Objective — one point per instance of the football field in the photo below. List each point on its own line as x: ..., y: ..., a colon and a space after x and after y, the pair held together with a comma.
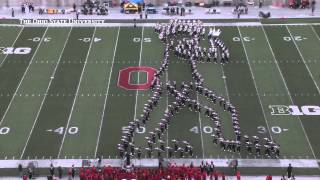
x: 64, y: 90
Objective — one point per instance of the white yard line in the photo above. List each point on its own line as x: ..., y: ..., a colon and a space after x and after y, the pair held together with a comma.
x: 44, y: 97
x: 285, y: 84
x: 225, y: 83
x: 314, y: 31
x: 106, y: 98
x: 200, y: 124
x: 304, y: 62
x: 137, y: 92
x: 75, y: 98
x: 14, y: 42
x: 254, y: 82
x: 167, y: 103
x: 25, y: 72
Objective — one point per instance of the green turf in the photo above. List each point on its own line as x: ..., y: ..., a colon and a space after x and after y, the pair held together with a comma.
x: 264, y: 70
x: 297, y: 78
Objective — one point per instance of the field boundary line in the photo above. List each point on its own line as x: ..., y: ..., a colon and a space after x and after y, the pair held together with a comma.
x: 77, y: 91
x: 44, y: 97
x: 24, y: 74
x: 137, y: 92
x: 314, y: 31
x: 106, y: 98
x: 304, y: 61
x: 200, y: 127
x: 151, y: 24
x: 255, y: 84
x: 14, y: 42
x: 12, y: 25
x: 290, y: 96
x: 78, y: 163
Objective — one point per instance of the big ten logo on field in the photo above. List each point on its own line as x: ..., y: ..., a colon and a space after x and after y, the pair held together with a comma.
x: 309, y: 110
x: 124, y: 79
x: 13, y: 50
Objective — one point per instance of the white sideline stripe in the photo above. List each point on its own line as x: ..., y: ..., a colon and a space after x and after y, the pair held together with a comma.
x: 24, y: 74
x: 106, y: 98
x: 262, y: 163
x: 255, y: 84
x: 40, y: 108
x: 285, y: 84
x: 14, y: 42
x: 153, y: 24
x: 77, y: 91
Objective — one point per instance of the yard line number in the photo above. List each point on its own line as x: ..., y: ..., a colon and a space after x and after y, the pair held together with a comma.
x: 245, y: 38
x: 296, y: 38
x: 37, y: 39
x: 205, y: 129
x: 71, y: 130
x: 137, y: 39
x: 141, y: 130
x: 274, y: 129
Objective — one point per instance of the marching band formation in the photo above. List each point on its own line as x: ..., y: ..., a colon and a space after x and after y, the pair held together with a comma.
x: 182, y: 38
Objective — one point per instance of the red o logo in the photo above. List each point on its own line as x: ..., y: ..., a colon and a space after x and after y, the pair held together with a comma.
x: 124, y: 77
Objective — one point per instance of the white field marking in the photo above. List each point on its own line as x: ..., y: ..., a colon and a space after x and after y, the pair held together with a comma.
x: 25, y: 72
x: 45, y: 95
x: 11, y: 25
x: 106, y: 97
x: 137, y: 92
x: 314, y: 31
x: 246, y: 24
x: 266, y: 163
x: 254, y: 82
x: 200, y: 124
x: 285, y: 84
x: 14, y: 42
x: 75, y: 98
x: 304, y: 61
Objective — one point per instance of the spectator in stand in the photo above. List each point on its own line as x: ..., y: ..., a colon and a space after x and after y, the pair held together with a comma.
x: 51, y: 170
x: 74, y: 6
x: 60, y: 172
x: 269, y: 177
x: 223, y: 176
x: 30, y: 173
x: 23, y: 8
x: 20, y: 170
x: 289, y: 171
x: 25, y: 177
x: 12, y: 12
x: 313, y: 6
x: 260, y: 3
x: 238, y: 175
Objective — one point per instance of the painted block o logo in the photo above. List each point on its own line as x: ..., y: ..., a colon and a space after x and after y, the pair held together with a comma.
x: 125, y: 74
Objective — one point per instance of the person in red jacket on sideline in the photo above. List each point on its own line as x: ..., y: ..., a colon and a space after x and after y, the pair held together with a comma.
x: 238, y: 175
x: 269, y: 177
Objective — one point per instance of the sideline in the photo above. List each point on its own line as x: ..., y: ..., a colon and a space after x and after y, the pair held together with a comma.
x: 268, y: 163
